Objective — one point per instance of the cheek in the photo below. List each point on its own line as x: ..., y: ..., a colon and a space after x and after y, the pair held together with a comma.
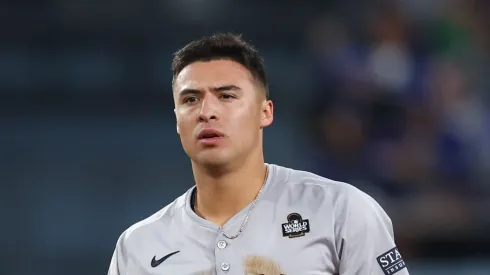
x: 245, y: 129
x: 186, y: 127
x: 246, y: 117
x: 243, y: 123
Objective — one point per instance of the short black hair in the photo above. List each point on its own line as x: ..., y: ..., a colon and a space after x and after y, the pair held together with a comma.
x: 222, y: 46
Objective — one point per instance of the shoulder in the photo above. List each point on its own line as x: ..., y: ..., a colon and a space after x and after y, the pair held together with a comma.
x: 157, y: 220
x: 299, y: 179
x: 339, y: 196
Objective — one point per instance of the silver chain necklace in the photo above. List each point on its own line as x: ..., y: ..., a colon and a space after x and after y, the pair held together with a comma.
x: 245, y: 221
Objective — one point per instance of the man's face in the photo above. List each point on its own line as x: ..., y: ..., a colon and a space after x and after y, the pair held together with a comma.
x: 220, y: 111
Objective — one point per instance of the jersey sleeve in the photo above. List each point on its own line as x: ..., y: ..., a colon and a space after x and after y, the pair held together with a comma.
x: 365, y: 238
x: 117, y: 265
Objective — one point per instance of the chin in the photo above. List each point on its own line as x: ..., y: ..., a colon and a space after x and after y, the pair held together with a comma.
x: 212, y: 158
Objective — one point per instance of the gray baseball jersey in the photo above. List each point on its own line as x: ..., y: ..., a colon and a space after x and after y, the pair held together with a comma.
x: 302, y: 224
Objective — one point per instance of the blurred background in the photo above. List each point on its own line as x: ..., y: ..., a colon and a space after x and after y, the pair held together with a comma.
x: 391, y: 96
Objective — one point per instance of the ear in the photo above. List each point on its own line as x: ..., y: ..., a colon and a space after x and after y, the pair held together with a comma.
x: 267, y: 113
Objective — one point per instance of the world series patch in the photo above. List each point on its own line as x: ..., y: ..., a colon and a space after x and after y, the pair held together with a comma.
x: 391, y: 262
x: 296, y: 226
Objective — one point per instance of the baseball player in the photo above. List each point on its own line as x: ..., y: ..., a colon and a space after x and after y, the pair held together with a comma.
x: 245, y: 216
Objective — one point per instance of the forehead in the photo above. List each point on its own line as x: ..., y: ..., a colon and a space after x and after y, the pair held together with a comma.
x: 215, y: 73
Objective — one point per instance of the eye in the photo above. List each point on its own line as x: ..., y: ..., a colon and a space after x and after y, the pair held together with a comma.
x: 190, y: 99
x: 227, y: 96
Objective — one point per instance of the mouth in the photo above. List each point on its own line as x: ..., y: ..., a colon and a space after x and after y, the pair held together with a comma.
x: 210, y: 135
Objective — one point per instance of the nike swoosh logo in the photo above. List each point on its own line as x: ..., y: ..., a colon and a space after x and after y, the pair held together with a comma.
x: 155, y: 262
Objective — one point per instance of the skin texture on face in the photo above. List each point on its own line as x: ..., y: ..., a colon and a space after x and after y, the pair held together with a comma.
x: 223, y: 96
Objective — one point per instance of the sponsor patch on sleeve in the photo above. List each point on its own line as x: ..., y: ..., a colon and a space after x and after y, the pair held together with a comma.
x: 391, y: 262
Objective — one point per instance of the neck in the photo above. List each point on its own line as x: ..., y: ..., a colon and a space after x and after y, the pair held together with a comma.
x: 221, y: 195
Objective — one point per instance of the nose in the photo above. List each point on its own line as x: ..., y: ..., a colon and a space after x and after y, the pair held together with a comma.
x: 208, y: 110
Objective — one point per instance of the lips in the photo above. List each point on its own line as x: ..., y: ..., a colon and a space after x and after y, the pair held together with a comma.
x: 209, y: 134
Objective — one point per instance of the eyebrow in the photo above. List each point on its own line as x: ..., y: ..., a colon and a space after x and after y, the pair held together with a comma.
x: 227, y: 88
x: 185, y: 92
